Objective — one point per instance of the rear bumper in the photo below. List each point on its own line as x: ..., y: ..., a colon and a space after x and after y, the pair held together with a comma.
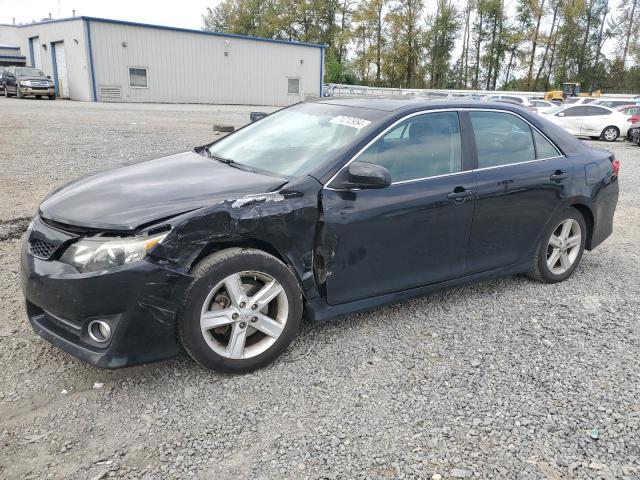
x: 139, y: 301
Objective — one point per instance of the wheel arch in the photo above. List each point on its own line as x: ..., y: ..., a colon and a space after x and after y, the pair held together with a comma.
x: 257, y: 244
x: 589, y: 219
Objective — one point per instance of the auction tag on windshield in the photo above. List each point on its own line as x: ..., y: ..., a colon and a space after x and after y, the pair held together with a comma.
x: 350, y: 121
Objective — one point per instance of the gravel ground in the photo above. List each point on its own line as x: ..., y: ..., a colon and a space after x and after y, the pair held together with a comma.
x: 502, y: 379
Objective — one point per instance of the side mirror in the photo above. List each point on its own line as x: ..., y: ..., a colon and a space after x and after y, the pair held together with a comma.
x: 368, y: 175
x: 49, y: 77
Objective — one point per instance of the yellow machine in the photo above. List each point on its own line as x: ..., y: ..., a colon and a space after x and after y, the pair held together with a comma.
x: 553, y: 95
x: 569, y: 89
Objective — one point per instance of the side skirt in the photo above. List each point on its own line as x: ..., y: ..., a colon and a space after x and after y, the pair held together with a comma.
x: 318, y: 309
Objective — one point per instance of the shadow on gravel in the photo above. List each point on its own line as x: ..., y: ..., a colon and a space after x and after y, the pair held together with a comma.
x: 14, y: 228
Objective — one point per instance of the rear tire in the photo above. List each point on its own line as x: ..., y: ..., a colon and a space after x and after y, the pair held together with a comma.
x: 218, y: 324
x: 52, y: 97
x: 610, y: 134
x: 560, y: 248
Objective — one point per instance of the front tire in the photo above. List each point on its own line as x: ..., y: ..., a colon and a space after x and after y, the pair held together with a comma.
x: 6, y: 92
x: 560, y: 249
x: 242, y: 310
x: 610, y: 134
x: 19, y: 93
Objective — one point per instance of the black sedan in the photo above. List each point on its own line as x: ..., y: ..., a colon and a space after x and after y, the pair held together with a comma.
x: 322, y: 209
x: 633, y: 135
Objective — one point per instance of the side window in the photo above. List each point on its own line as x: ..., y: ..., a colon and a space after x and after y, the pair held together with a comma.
x: 544, y: 149
x: 419, y: 147
x: 594, y: 110
x: 501, y: 139
x: 579, y: 111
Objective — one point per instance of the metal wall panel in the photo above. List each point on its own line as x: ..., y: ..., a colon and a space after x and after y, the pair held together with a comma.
x: 185, y: 67
x: 72, y: 33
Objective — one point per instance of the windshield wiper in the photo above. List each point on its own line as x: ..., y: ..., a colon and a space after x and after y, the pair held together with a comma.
x: 229, y: 161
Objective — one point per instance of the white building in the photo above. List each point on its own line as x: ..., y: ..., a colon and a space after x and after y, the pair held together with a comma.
x: 95, y: 59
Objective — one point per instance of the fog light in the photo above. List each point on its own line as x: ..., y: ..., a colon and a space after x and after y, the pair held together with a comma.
x: 99, y: 331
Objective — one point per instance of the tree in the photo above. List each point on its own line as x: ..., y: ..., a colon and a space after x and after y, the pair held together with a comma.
x: 442, y: 31
x: 405, y: 45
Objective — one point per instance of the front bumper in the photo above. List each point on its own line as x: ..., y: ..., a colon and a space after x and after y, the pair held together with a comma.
x: 37, y: 91
x: 139, y: 301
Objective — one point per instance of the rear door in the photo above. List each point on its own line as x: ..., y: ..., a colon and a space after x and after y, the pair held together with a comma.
x: 595, y: 119
x: 411, y: 233
x: 521, y: 179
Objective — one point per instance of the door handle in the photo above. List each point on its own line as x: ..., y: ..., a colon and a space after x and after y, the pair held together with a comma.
x: 459, y: 194
x: 559, y: 175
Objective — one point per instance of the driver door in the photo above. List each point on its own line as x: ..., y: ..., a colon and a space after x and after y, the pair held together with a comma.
x: 415, y: 231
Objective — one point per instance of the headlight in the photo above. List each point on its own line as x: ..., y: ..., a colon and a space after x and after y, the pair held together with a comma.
x: 100, y: 253
x: 25, y: 83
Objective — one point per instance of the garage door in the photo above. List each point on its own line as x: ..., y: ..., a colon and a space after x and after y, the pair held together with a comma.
x: 60, y: 66
x: 36, y: 50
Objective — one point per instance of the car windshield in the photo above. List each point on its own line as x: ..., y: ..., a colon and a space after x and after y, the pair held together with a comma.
x: 571, y: 100
x: 554, y: 110
x: 296, y: 140
x: 29, y: 72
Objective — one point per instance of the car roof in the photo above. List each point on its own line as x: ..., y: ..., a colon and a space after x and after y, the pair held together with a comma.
x: 411, y: 103
x: 399, y: 106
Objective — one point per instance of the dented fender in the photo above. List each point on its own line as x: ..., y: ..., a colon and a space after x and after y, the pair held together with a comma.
x: 283, y: 221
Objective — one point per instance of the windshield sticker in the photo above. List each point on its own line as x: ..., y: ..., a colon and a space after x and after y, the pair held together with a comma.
x: 350, y: 121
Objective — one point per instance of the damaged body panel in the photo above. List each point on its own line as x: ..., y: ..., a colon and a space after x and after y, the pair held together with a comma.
x: 342, y: 205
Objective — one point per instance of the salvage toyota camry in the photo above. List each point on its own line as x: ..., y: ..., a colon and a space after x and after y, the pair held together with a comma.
x: 321, y: 209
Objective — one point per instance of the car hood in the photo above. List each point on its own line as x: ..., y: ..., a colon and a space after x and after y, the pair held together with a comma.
x: 135, y: 195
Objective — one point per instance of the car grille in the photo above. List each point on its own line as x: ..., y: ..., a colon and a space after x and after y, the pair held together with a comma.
x: 41, y: 249
x: 39, y: 83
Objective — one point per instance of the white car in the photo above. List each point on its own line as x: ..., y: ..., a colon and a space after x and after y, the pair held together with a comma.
x: 524, y: 101
x: 590, y: 121
x: 614, y: 102
x: 578, y: 100
x: 542, y: 105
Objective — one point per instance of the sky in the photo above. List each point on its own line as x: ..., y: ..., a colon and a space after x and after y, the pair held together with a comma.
x: 185, y: 13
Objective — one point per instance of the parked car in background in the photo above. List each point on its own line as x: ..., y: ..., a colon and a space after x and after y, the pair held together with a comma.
x: 614, y: 103
x: 634, y: 133
x: 519, y: 99
x: 27, y: 81
x: 326, y: 207
x: 543, y: 105
x: 590, y: 121
x: 578, y: 100
x: 2, y: 70
x: 633, y: 111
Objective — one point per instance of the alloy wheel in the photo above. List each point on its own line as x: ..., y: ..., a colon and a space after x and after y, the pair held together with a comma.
x: 564, y: 246
x: 610, y: 134
x: 244, y: 315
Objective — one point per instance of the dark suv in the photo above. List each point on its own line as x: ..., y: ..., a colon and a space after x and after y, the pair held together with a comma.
x: 24, y: 81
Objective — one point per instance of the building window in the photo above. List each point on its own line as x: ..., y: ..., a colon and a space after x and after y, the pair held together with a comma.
x: 293, y: 86
x: 138, y: 77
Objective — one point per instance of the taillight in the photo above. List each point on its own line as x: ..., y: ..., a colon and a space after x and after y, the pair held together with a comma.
x: 616, y: 165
